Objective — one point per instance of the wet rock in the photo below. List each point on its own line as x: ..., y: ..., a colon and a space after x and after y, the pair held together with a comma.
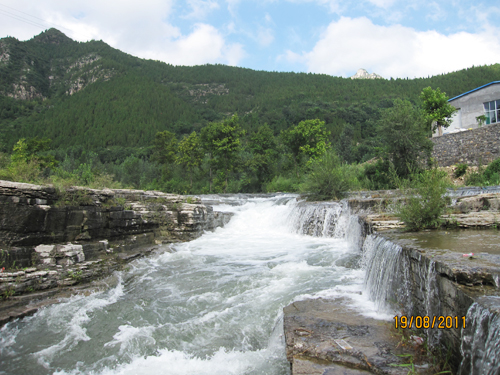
x: 329, y: 337
x: 482, y: 219
x: 480, y: 202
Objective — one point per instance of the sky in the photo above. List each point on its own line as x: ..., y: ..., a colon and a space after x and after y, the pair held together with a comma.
x: 393, y: 38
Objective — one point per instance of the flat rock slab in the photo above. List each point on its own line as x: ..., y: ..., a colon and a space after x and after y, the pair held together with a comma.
x: 329, y: 337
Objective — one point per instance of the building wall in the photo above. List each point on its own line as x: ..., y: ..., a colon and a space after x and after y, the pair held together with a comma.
x: 481, y: 145
x: 471, y: 105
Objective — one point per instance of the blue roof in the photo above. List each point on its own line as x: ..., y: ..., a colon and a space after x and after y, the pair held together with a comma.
x: 476, y: 89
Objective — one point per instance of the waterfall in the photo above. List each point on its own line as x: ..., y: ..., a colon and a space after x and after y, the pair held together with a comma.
x: 327, y: 219
x: 386, y: 278
x: 480, y: 347
x: 209, y: 306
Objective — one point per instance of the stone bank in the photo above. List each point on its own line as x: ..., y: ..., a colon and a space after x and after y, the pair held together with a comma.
x: 52, y: 239
x: 415, y: 274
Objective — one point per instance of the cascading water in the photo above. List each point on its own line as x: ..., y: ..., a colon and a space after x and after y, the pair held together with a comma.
x: 413, y: 290
x: 386, y: 278
x: 480, y: 347
x: 209, y: 306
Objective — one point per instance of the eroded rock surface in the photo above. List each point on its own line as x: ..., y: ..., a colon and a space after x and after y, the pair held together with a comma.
x: 50, y: 238
x: 329, y: 337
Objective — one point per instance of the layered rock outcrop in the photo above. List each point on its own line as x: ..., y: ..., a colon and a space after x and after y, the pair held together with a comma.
x: 51, y: 238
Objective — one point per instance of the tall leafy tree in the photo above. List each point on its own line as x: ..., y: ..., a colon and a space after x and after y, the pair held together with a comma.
x: 222, y: 140
x: 26, y: 150
x: 264, y: 154
x: 307, y: 140
x: 165, y: 149
x: 190, y: 154
x: 438, y: 111
x: 403, y: 129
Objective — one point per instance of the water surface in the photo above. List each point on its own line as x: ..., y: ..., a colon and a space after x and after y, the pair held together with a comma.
x: 209, y: 306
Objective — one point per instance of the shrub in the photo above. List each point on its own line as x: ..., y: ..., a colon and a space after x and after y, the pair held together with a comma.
x: 22, y: 171
x: 380, y: 175
x: 460, y: 170
x: 424, y: 202
x: 492, y: 171
x: 485, y: 176
x: 281, y: 184
x: 329, y: 178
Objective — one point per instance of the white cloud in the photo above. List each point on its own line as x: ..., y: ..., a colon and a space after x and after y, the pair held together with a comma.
x: 382, y: 3
x: 436, y: 13
x: 396, y: 51
x: 200, y: 8
x: 265, y: 36
x: 204, y: 45
x: 140, y: 28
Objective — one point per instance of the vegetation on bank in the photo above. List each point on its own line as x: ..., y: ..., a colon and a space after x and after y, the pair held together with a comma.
x: 102, y: 118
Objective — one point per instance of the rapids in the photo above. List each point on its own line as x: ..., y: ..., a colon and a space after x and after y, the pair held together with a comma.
x: 209, y: 306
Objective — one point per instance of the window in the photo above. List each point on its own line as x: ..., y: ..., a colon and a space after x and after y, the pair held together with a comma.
x: 492, y: 111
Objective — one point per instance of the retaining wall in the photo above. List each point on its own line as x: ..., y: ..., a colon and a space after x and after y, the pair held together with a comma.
x: 472, y: 147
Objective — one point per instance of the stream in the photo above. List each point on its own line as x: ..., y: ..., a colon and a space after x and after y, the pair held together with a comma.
x: 209, y: 306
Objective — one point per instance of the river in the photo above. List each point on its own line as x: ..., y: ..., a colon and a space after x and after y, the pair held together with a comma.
x: 209, y: 306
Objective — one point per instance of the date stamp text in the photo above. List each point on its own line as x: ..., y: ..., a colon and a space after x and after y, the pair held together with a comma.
x: 418, y: 322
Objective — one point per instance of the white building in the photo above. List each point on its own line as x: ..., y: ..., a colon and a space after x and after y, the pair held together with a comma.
x: 482, y: 101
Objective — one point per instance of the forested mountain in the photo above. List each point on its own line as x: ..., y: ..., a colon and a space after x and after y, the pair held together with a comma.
x: 96, y: 96
x: 89, y: 96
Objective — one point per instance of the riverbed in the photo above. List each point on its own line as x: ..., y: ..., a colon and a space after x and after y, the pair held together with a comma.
x: 209, y: 306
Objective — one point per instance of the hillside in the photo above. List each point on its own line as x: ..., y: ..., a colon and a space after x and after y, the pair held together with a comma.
x: 101, y: 110
x: 92, y: 95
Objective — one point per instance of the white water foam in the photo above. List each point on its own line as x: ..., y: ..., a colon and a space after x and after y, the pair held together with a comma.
x: 213, y: 306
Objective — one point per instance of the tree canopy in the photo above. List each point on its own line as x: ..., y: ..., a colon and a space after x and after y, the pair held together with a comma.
x: 438, y: 111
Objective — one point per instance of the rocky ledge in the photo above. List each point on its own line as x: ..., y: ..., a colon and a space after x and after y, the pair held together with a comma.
x: 475, y: 211
x: 56, y: 239
x: 453, y: 274
x: 328, y: 337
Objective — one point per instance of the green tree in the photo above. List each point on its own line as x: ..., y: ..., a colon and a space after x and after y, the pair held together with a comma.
x: 329, y: 178
x: 222, y: 142
x: 424, y: 201
x: 402, y: 128
x: 190, y: 154
x: 307, y: 140
x: 33, y: 149
x: 164, y: 148
x: 263, y: 147
x: 438, y: 111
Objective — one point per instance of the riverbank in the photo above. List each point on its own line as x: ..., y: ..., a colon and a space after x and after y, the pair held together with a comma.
x: 415, y: 275
x: 424, y: 282
x: 53, y: 240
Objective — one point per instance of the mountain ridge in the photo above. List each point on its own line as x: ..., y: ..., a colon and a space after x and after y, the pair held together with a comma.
x: 88, y: 93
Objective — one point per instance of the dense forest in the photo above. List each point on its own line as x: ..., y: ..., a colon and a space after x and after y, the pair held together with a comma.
x: 86, y: 112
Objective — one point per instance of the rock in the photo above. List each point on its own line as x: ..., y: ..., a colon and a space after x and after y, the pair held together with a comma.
x: 89, y: 216
x: 480, y: 202
x: 472, y: 219
x: 328, y: 337
x: 363, y: 74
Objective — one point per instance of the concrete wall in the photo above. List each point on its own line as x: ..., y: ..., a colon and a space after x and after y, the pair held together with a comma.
x: 469, y: 147
x: 471, y: 105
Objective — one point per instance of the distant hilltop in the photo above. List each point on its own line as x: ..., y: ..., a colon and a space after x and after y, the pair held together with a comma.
x: 363, y: 74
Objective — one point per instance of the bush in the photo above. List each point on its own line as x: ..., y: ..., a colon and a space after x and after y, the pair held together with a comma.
x: 424, y: 202
x: 329, y: 178
x: 281, y: 184
x: 380, y: 175
x: 485, y: 176
x: 460, y: 170
x: 492, y: 171
x: 22, y: 171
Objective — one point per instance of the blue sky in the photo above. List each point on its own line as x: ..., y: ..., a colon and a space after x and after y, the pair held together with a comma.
x: 393, y: 38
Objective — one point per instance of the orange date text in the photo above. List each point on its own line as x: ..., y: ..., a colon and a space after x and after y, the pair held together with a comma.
x: 418, y: 322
